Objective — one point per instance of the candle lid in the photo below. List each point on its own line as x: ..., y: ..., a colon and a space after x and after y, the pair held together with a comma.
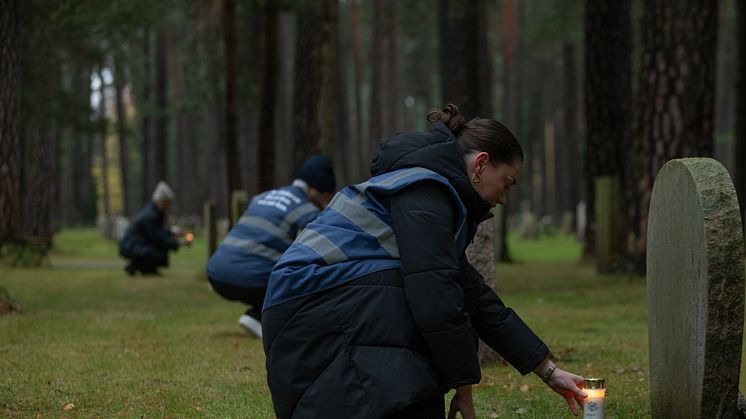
x: 594, y: 383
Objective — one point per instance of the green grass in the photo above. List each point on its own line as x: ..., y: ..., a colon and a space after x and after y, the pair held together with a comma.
x: 168, y: 347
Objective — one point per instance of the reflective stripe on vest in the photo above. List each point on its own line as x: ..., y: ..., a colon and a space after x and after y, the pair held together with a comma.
x: 352, y: 237
x: 270, y: 224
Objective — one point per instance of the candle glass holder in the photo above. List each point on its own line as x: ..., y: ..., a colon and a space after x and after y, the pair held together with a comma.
x: 594, y: 405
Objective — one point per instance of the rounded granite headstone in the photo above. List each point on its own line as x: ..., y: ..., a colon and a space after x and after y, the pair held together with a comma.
x: 695, y: 291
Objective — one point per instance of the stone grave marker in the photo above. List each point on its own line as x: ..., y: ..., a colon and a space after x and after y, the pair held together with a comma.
x: 210, y: 228
x: 607, y: 223
x: 695, y: 283
x: 239, y: 202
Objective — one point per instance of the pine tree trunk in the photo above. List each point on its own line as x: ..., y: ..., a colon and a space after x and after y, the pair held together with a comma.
x: 104, y: 131
x: 608, y: 99
x: 359, y: 150
x: 342, y: 148
x: 675, y: 102
x: 267, y: 112
x: 459, y: 60
x: 146, y: 138
x: 122, y: 131
x: 41, y: 182
x: 311, y: 39
x: 230, y: 39
x: 10, y: 146
x: 160, y: 155
x: 739, y: 175
x: 510, y: 37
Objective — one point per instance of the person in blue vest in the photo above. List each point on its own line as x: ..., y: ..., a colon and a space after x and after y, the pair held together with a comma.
x: 374, y: 310
x: 239, y: 269
x: 148, y: 240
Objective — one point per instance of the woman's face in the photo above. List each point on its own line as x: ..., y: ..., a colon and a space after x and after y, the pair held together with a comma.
x: 492, y: 182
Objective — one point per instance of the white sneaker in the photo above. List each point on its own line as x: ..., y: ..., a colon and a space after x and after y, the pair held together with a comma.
x: 251, y: 324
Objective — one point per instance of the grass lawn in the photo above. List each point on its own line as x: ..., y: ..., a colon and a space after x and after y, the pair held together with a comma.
x: 166, y: 346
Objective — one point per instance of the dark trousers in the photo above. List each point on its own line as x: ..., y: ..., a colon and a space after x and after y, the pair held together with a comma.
x: 427, y: 409
x: 147, y: 265
x: 252, y: 296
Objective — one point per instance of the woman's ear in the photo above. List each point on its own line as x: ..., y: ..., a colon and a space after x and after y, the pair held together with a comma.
x: 481, y: 159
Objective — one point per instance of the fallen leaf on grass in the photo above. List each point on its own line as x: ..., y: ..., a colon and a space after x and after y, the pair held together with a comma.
x: 68, y: 407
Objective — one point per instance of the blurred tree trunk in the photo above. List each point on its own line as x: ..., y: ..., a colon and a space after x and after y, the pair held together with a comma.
x: 122, y: 135
x: 284, y: 118
x: 459, y: 60
x: 568, y: 148
x: 267, y: 111
x: 103, y: 132
x: 344, y: 138
x: 608, y: 98
x: 312, y: 36
x: 381, y: 120
x: 185, y: 168
x: 358, y: 150
x: 675, y: 101
x: 41, y: 182
x: 331, y: 101
x: 10, y: 145
x: 146, y: 138
x: 739, y: 175
x: 160, y: 155
x: 510, y: 35
x: 230, y: 40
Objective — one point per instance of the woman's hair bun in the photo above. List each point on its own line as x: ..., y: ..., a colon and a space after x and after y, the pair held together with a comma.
x: 450, y: 116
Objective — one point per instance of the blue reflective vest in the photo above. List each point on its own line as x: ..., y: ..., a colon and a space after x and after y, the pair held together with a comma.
x: 253, y: 246
x: 351, y: 238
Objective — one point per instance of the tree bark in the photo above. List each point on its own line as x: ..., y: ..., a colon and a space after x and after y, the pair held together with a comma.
x: 267, y: 111
x: 10, y: 146
x: 739, y: 175
x: 230, y: 40
x: 675, y: 102
x: 358, y: 149
x: 146, y: 137
x: 608, y: 99
x: 104, y: 130
x: 459, y: 60
x: 510, y: 37
x: 311, y: 39
x: 160, y: 155
x: 122, y: 136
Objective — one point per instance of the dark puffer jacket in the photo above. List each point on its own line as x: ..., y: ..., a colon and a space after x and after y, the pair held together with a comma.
x: 375, y: 345
x: 148, y: 238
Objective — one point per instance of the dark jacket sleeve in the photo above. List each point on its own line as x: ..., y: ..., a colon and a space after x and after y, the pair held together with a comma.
x: 157, y: 234
x: 424, y: 226
x: 499, y: 326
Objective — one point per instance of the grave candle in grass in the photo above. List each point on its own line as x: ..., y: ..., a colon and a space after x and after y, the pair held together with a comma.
x: 593, y: 405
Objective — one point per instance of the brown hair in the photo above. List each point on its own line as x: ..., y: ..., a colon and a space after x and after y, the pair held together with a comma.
x: 479, y: 134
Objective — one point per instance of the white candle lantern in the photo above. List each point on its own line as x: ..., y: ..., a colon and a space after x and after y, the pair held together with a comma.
x: 593, y: 405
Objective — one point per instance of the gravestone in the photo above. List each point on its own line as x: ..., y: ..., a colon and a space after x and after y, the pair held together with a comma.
x: 607, y: 222
x: 695, y: 291
x: 239, y: 202
x: 210, y: 228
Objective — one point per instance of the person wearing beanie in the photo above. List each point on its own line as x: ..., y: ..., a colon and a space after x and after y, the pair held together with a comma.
x: 147, y: 240
x: 239, y: 269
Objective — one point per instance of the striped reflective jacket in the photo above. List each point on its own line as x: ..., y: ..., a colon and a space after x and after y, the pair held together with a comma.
x: 267, y: 228
x: 351, y: 238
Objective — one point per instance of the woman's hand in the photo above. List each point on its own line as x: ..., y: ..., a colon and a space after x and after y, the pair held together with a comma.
x: 566, y: 384
x: 462, y: 402
x: 569, y: 386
